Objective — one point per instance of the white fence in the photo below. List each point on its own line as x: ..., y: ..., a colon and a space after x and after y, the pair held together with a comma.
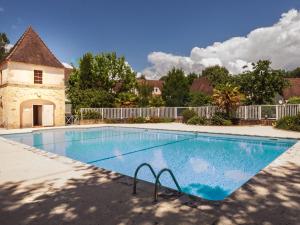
x: 251, y: 112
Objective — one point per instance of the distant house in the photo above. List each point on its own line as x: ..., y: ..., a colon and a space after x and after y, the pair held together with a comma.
x: 32, y: 87
x: 202, y: 84
x: 157, y: 85
x: 293, y: 90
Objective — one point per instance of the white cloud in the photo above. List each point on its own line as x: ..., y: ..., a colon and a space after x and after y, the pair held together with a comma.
x: 279, y: 43
x: 8, y: 47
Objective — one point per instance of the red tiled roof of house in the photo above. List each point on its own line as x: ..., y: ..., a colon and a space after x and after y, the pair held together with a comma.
x: 152, y: 83
x: 31, y: 49
x: 203, y: 85
x: 293, y: 90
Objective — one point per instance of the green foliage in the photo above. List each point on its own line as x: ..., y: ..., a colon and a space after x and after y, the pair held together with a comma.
x: 191, y: 77
x: 220, y: 119
x: 262, y: 84
x: 294, y: 100
x: 289, y: 123
x: 140, y: 120
x: 217, y: 75
x: 156, y: 101
x: 126, y: 99
x: 176, y: 88
x: 101, y: 81
x: 227, y: 97
x: 145, y: 93
x: 89, y: 115
x: 3, y: 42
x: 199, y: 99
x: 196, y: 120
x: 294, y: 73
x: 188, y: 114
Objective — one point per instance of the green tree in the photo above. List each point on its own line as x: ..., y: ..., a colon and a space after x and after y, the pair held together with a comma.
x: 293, y: 73
x: 191, y: 77
x: 227, y: 97
x: 101, y: 81
x: 199, y: 99
x: 126, y: 99
x: 176, y: 88
x: 217, y: 75
x: 3, y: 42
x: 144, y: 94
x: 262, y: 84
x: 156, y: 101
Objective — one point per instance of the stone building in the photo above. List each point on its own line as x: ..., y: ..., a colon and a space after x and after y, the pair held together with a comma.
x: 32, y: 88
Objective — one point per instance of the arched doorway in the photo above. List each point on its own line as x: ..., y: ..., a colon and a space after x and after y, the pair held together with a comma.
x: 37, y: 112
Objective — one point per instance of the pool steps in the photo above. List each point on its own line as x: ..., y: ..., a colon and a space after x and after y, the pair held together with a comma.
x: 157, y: 182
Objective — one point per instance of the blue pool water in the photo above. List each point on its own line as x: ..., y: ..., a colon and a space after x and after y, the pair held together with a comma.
x: 210, y: 166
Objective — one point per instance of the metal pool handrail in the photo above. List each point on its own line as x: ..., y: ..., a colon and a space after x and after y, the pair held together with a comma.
x: 157, y: 182
x: 136, y: 173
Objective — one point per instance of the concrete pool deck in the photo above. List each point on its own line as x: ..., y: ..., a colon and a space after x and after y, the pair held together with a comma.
x: 42, y: 188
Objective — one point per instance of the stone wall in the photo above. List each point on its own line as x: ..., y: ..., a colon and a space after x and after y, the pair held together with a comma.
x: 15, y: 94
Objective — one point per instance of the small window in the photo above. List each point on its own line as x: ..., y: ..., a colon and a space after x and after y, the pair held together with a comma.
x: 38, y: 77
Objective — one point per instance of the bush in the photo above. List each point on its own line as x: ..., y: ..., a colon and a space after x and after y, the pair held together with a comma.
x: 196, y: 120
x: 294, y: 100
x: 140, y: 120
x: 289, y: 123
x: 188, y: 114
x: 199, y: 99
x: 91, y: 115
x: 220, y: 119
x: 159, y: 120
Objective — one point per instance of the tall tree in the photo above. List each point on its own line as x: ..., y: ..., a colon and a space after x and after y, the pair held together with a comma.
x: 101, y: 81
x: 191, y: 77
x: 176, y: 88
x: 261, y: 85
x: 4, y: 41
x: 145, y: 93
x: 217, y: 75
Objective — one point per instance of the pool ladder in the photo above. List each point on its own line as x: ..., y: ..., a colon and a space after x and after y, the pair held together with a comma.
x: 157, y: 182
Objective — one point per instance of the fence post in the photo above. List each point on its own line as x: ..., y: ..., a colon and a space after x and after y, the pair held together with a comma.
x: 158, y: 112
x: 259, y: 112
x: 175, y: 112
x: 277, y: 112
x: 207, y: 113
x: 121, y: 113
x: 81, y: 114
x: 246, y: 112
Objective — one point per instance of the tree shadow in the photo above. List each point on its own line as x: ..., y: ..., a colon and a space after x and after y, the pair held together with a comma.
x: 103, y: 197
x: 268, y: 198
x: 99, y: 197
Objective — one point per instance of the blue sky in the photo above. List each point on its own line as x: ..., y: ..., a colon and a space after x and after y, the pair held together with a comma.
x: 135, y: 28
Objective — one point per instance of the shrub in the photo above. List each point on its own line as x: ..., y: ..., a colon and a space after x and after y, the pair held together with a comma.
x: 289, y: 123
x: 90, y: 115
x: 220, y: 119
x: 294, y: 100
x: 139, y: 120
x: 227, y: 122
x: 188, y: 114
x: 196, y: 120
x: 159, y: 120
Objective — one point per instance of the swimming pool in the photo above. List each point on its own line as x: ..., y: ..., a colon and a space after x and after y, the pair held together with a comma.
x: 211, y: 166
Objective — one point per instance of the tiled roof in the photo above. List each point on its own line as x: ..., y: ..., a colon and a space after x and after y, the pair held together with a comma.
x: 293, y: 90
x: 31, y: 49
x: 203, y: 85
x: 152, y: 83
